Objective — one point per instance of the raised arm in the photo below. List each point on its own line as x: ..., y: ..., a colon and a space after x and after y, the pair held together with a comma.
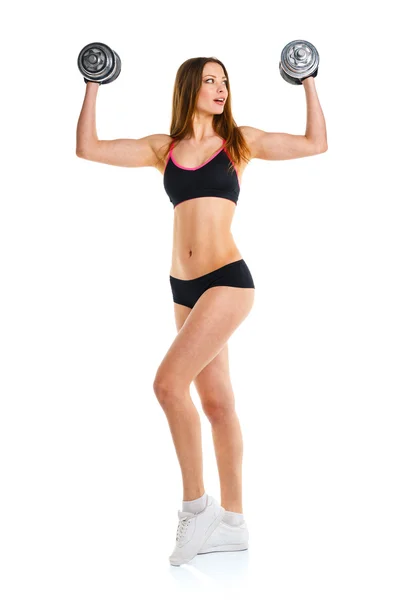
x: 142, y: 152
x: 284, y: 146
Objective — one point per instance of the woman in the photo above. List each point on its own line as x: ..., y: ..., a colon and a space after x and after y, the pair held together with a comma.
x: 202, y: 162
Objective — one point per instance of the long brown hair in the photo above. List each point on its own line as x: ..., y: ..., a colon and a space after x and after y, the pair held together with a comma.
x: 187, y: 85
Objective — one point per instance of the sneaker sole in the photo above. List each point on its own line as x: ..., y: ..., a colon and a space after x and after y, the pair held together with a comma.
x: 208, y: 533
x: 226, y: 548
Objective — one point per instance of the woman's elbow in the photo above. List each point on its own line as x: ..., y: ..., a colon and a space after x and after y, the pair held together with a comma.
x: 81, y: 153
x: 323, y: 148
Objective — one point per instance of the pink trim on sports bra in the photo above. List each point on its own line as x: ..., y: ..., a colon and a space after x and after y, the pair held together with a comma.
x: 194, y: 168
x: 207, y: 161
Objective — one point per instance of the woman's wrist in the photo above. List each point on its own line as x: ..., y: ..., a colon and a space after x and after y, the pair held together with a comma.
x: 308, y: 81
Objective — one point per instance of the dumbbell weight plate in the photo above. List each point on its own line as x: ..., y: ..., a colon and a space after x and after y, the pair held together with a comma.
x: 117, y: 70
x: 299, y: 59
x: 99, y: 63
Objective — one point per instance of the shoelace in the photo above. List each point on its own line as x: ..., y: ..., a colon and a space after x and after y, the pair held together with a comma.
x: 184, y: 518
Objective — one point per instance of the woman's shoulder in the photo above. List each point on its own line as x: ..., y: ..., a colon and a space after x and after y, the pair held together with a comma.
x: 159, y: 141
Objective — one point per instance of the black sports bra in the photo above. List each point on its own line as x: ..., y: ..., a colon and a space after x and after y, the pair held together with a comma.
x: 209, y: 179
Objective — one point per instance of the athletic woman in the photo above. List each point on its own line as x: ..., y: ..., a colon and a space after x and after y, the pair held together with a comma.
x: 202, y: 162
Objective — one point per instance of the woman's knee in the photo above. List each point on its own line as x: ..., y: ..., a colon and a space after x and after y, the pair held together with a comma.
x: 166, y: 391
x: 218, y: 408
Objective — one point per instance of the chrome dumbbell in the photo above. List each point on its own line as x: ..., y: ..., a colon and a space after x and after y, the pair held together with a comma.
x: 98, y: 63
x: 299, y: 60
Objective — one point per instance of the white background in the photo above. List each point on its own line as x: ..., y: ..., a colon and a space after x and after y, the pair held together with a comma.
x: 89, y: 476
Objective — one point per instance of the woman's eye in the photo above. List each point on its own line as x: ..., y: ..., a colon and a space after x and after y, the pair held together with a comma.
x: 210, y: 79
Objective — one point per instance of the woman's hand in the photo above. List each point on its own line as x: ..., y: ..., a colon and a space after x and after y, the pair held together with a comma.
x: 313, y: 76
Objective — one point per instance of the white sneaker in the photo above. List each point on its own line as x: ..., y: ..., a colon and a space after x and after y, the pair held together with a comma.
x: 195, y: 529
x: 226, y: 538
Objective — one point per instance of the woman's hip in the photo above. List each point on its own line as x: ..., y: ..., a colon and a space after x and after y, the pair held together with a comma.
x: 188, y: 291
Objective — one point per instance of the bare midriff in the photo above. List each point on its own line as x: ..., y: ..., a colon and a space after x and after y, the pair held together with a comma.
x: 202, y: 238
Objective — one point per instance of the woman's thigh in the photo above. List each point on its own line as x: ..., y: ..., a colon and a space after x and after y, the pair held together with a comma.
x: 213, y: 382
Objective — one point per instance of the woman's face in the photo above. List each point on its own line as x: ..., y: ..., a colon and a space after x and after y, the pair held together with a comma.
x: 214, y: 85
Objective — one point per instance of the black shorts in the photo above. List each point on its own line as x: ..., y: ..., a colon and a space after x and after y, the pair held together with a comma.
x: 188, y: 291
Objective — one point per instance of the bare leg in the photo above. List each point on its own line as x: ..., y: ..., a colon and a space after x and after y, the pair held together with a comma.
x: 217, y: 314
x: 184, y: 423
x: 228, y: 444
